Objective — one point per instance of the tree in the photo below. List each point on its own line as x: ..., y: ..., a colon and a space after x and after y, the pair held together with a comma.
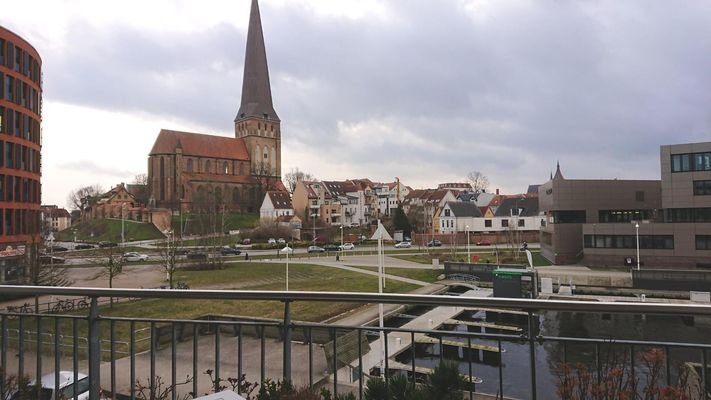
x: 38, y: 273
x: 479, y: 181
x: 82, y: 197
x: 140, y: 188
x: 294, y: 176
x: 169, y: 250
x: 113, y: 266
x: 400, y: 222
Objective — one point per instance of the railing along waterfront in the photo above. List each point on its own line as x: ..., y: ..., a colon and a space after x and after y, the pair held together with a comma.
x: 125, y: 356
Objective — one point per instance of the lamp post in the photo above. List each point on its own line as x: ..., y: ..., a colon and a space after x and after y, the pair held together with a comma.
x: 342, y: 252
x: 123, y: 207
x: 636, y: 228
x: 287, y: 266
x: 469, y: 257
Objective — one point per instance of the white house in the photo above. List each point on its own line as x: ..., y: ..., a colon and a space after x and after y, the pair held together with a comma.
x: 276, y: 204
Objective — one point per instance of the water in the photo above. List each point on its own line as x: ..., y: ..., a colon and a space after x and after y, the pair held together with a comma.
x: 514, y: 364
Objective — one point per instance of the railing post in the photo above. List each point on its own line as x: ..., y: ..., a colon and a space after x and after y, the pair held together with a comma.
x: 532, y: 354
x: 94, y: 351
x: 287, y: 341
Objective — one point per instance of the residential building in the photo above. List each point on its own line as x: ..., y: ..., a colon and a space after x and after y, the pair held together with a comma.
x: 116, y: 203
x: 422, y: 206
x: 20, y: 150
x: 390, y: 196
x: 193, y: 170
x: 460, y: 216
x: 276, y: 204
x: 55, y: 219
x: 456, y: 186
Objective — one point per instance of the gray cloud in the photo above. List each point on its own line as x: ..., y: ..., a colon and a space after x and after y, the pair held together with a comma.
x: 85, y: 165
x: 597, y: 85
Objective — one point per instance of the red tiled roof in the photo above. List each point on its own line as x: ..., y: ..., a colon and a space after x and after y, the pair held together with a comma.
x: 201, y: 145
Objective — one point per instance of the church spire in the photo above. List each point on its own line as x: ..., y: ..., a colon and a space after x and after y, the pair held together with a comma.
x: 558, y: 174
x: 256, y: 90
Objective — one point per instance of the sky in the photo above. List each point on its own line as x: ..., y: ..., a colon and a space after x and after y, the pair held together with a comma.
x: 423, y: 90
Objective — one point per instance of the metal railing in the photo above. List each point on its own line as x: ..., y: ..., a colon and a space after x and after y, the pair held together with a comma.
x: 340, y: 357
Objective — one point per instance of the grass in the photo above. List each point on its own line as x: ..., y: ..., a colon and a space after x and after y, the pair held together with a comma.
x: 253, y: 276
x: 424, y: 275
x: 232, y: 221
x: 96, y: 230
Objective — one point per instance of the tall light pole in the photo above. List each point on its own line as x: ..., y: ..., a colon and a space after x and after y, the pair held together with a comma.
x: 342, y: 252
x: 287, y: 266
x: 469, y: 257
x: 123, y: 240
x: 636, y: 228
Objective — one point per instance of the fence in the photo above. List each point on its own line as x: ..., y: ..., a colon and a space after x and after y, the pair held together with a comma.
x: 506, y: 355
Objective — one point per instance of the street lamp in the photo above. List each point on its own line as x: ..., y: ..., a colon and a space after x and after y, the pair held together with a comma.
x: 123, y: 239
x: 469, y: 257
x: 636, y: 228
x: 342, y: 252
x: 287, y: 266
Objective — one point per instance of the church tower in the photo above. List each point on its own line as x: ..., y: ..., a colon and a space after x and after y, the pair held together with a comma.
x: 256, y: 122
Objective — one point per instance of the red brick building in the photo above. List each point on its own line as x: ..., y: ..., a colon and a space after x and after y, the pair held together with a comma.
x: 20, y: 145
x: 190, y: 171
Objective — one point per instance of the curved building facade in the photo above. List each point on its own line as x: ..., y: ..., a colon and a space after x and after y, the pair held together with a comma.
x: 20, y: 147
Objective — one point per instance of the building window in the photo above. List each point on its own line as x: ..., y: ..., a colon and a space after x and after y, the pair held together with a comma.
x: 225, y: 168
x: 568, y: 217
x: 617, y: 216
x: 649, y: 242
x: 702, y: 188
x: 190, y: 165
x: 504, y: 223
x: 521, y: 223
x: 447, y: 212
x: 9, y: 84
x: 487, y: 223
x: 691, y: 162
x: 703, y: 242
x: 208, y: 167
x: 688, y: 214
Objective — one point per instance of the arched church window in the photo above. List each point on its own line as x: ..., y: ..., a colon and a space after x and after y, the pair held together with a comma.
x: 225, y: 168
x: 190, y: 165
x: 208, y: 167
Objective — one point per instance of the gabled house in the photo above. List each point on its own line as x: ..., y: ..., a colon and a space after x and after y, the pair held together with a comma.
x: 459, y: 216
x: 55, y: 219
x: 276, y: 204
x: 518, y: 213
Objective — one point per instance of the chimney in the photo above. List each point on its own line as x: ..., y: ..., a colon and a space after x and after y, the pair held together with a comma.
x: 497, y: 191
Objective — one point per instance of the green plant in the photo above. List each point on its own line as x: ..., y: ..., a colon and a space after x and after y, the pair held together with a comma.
x: 445, y: 382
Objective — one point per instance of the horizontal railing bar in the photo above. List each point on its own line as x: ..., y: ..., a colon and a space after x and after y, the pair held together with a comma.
x: 621, y: 342
x: 194, y: 321
x: 351, y: 297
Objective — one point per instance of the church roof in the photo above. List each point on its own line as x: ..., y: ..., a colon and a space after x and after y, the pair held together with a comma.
x: 256, y: 90
x: 280, y: 200
x: 201, y: 145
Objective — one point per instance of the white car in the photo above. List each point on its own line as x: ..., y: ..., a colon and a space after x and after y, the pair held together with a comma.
x: 67, y: 386
x: 347, y: 246
x: 403, y: 245
x: 271, y: 241
x: 133, y: 256
x: 286, y: 250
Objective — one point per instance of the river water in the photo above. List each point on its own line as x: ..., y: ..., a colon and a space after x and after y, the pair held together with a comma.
x: 515, y: 361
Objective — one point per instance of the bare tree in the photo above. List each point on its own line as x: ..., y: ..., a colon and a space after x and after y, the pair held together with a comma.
x: 82, y: 197
x: 295, y: 176
x: 113, y: 266
x: 479, y: 181
x: 38, y: 273
x: 169, y: 250
x: 140, y: 188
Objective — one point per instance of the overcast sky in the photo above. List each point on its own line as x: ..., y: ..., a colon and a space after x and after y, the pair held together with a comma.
x: 420, y: 89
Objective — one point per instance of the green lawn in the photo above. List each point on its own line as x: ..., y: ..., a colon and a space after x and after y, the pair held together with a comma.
x: 424, y: 275
x: 96, y: 230
x: 232, y: 221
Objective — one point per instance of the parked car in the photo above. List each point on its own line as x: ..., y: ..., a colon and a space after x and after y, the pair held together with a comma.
x: 286, y: 250
x: 347, y: 246
x: 196, y: 255
x: 246, y: 241
x: 403, y: 245
x: 281, y: 241
x: 362, y: 237
x: 331, y: 247
x: 57, y: 248
x: 483, y: 243
x: 315, y: 249
x: 227, y: 250
x: 67, y: 387
x: 47, y: 259
x: 133, y: 256
x: 84, y: 246
x: 107, y: 244
x: 434, y: 243
x: 271, y: 241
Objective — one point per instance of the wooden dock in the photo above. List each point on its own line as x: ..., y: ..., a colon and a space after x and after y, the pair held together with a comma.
x: 481, y: 324
x: 497, y: 310
x: 455, y: 343
x: 424, y: 371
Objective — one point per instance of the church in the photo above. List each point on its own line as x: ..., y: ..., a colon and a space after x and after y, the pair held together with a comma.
x: 190, y: 171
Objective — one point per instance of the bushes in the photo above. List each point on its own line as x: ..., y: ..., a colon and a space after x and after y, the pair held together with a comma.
x: 444, y: 383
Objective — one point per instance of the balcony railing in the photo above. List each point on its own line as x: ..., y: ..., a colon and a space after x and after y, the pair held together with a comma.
x: 511, y: 357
